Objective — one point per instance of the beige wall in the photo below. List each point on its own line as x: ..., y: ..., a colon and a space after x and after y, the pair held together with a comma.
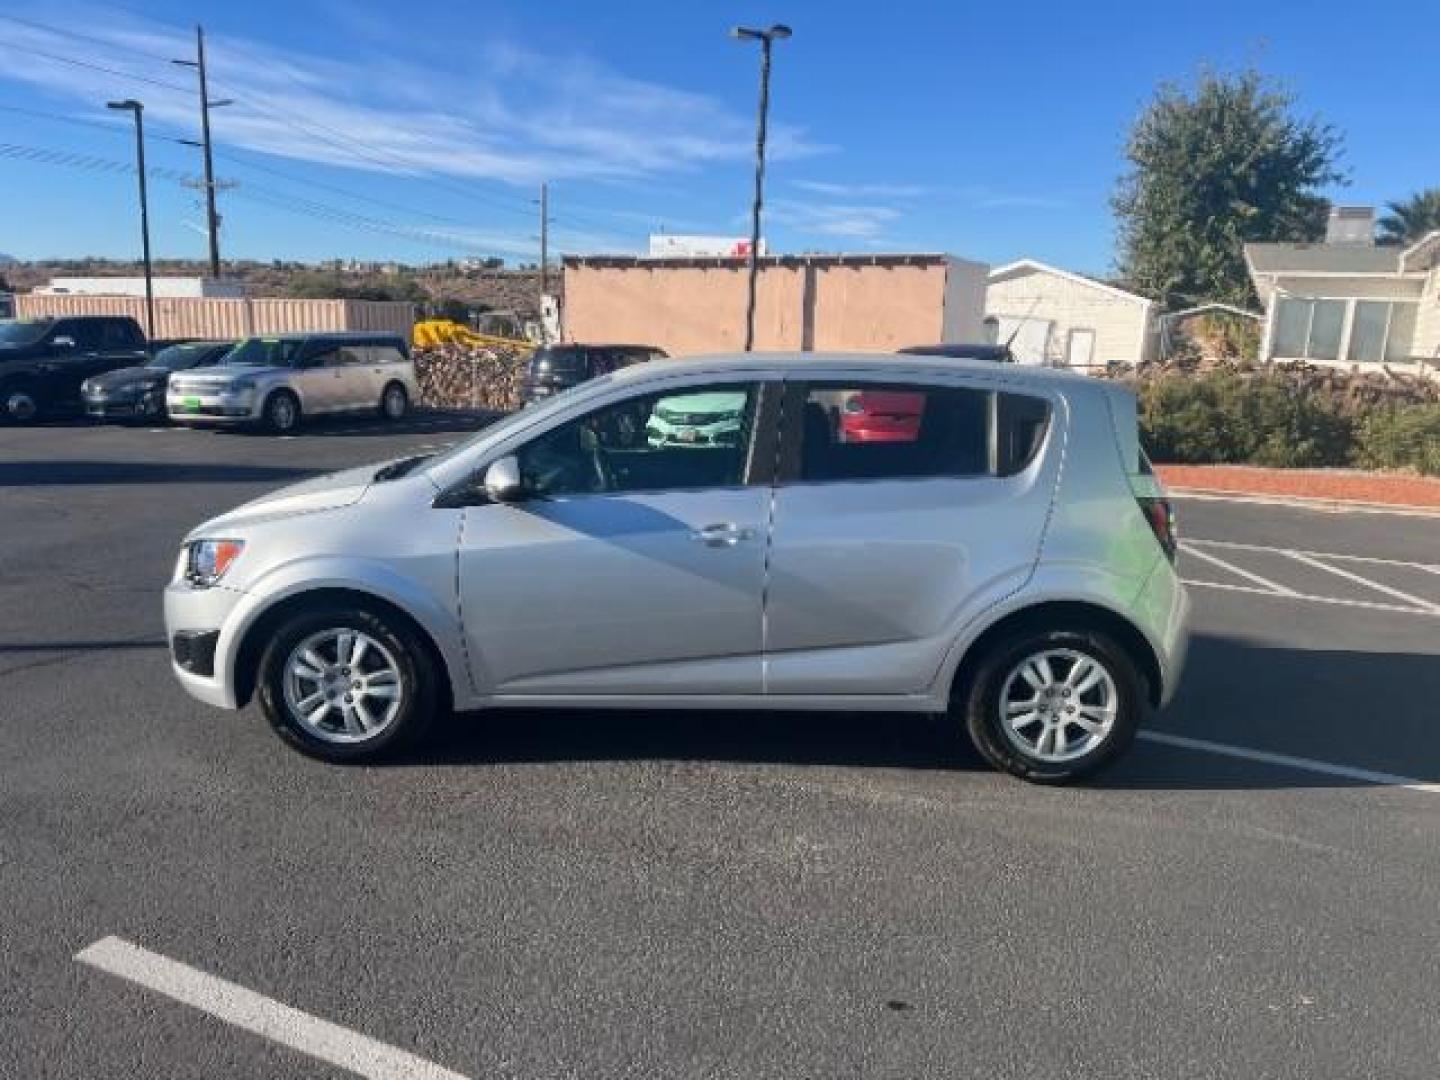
x: 192, y: 317
x: 1427, y: 321
x: 692, y: 310
x: 1120, y: 323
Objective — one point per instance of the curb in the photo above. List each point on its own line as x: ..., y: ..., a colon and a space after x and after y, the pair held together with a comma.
x: 1329, y: 506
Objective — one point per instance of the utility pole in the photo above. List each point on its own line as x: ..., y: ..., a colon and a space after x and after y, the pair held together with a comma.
x: 544, y: 241
x: 766, y: 38
x: 130, y: 105
x: 212, y: 219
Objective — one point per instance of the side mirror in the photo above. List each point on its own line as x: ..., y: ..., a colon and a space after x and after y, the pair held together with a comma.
x: 502, y: 480
x: 63, y: 341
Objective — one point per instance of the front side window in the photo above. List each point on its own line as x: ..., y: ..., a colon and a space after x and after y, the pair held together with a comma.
x: 883, y: 432
x: 263, y: 352
x: 697, y: 438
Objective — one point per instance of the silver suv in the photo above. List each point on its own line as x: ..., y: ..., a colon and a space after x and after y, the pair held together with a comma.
x: 275, y: 382
x: 1000, y: 554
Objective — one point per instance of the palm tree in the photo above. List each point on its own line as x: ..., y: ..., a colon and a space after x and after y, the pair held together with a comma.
x: 1408, y: 221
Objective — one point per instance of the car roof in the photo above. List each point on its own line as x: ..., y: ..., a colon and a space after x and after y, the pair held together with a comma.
x: 333, y: 335
x: 827, y: 363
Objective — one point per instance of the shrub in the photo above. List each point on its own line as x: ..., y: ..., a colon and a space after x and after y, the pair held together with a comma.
x: 1229, y: 418
x: 1399, y: 437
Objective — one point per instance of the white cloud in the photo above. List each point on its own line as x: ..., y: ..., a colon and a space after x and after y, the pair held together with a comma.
x: 855, y: 221
x: 861, y: 191
x: 510, y: 114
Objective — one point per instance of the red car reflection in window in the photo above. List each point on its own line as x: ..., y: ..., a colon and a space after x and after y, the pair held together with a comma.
x: 876, y: 416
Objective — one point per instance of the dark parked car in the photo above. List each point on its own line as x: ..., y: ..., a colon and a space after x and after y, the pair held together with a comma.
x: 44, y: 361
x: 1000, y: 354
x: 140, y: 391
x: 558, y: 367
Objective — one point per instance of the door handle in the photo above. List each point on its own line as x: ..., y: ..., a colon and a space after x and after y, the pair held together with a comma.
x: 726, y: 534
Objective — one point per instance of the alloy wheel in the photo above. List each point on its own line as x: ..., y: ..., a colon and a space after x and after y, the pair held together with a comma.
x: 342, y: 686
x: 1058, y: 705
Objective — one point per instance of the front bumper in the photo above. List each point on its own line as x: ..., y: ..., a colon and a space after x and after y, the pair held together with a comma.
x: 221, y: 408
x: 202, y: 634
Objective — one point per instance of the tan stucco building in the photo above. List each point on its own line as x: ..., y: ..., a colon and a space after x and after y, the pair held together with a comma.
x: 861, y: 303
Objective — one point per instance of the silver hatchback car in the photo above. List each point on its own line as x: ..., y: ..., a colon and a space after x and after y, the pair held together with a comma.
x: 276, y: 382
x: 883, y: 533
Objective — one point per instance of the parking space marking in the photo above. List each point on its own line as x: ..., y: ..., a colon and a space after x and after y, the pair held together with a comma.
x: 258, y: 1014
x: 1268, y: 585
x: 1308, y: 560
x: 1235, y: 545
x: 1289, y: 761
x: 1369, y: 605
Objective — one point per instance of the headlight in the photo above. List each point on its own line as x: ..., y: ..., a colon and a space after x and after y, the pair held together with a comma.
x: 86, y: 386
x: 207, y: 560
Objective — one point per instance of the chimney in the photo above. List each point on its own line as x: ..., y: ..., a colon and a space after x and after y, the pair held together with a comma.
x: 1351, y: 225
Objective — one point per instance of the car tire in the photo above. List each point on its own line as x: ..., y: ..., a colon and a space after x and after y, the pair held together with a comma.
x: 1052, y: 705
x: 151, y: 407
x: 19, y: 404
x: 281, y: 413
x: 394, y: 403
x: 375, y: 701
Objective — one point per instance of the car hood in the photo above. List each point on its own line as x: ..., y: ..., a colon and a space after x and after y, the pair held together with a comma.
x: 221, y: 374
x: 111, y: 380
x: 329, y: 492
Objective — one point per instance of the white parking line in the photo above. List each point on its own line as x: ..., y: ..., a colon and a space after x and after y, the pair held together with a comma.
x: 1289, y: 761
x: 1370, y: 605
x: 1233, y: 545
x: 1269, y: 586
x: 1308, y: 560
x: 256, y: 1013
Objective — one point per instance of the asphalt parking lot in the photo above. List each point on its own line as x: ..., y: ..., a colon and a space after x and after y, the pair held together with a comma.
x: 1250, y: 893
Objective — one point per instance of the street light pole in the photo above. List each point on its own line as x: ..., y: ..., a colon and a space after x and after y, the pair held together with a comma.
x: 130, y: 105
x: 766, y: 38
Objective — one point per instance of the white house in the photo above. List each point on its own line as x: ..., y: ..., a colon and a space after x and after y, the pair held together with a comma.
x: 1064, y: 319
x: 163, y: 287
x: 1348, y: 300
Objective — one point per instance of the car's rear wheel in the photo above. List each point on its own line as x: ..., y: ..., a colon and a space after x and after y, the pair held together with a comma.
x: 1053, y: 705
x: 282, y: 412
x: 394, y: 402
x: 347, y: 684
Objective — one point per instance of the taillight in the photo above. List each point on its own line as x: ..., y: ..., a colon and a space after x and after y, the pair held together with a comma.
x: 1161, y: 516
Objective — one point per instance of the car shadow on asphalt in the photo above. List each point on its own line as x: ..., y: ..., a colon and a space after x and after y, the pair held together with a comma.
x: 420, y: 422
x: 1351, y: 709
x: 66, y: 473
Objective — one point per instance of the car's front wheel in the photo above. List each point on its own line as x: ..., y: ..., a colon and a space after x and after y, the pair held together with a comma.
x: 1053, y: 705
x: 19, y: 404
x: 347, y: 683
x: 282, y: 412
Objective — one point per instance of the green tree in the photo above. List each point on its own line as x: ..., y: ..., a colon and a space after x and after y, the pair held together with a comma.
x: 1212, y: 169
x: 1411, y: 219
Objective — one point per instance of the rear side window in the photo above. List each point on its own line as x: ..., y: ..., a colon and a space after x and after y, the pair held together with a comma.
x: 386, y: 354
x: 1020, y: 425
x: 568, y: 362
x: 876, y: 431
x: 899, y: 431
x: 118, y: 334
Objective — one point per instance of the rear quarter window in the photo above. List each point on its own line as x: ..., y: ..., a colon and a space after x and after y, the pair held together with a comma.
x: 1021, y: 421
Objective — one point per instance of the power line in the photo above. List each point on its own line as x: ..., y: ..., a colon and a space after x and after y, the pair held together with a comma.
x: 277, y: 200
x: 30, y: 51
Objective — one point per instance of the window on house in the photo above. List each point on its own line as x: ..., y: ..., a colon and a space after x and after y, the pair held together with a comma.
x: 1308, y: 329
x: 1400, y: 342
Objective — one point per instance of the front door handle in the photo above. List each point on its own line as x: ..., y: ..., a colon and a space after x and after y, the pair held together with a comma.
x: 727, y: 534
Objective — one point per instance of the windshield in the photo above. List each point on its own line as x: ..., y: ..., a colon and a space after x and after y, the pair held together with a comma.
x: 264, y: 352
x: 520, y: 418
x: 23, y: 331
x: 179, y: 357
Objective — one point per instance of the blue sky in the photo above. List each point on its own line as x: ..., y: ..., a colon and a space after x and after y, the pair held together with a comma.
x: 421, y: 131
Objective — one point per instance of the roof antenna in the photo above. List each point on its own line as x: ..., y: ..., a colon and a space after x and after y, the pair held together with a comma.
x: 1010, y: 356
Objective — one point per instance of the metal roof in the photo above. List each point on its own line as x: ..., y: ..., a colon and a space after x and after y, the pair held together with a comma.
x: 1323, y: 258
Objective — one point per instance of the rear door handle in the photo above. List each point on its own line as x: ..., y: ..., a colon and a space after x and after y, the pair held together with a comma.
x: 726, y: 534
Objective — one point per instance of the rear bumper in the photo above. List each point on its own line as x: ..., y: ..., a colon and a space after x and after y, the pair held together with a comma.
x: 1163, y: 607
